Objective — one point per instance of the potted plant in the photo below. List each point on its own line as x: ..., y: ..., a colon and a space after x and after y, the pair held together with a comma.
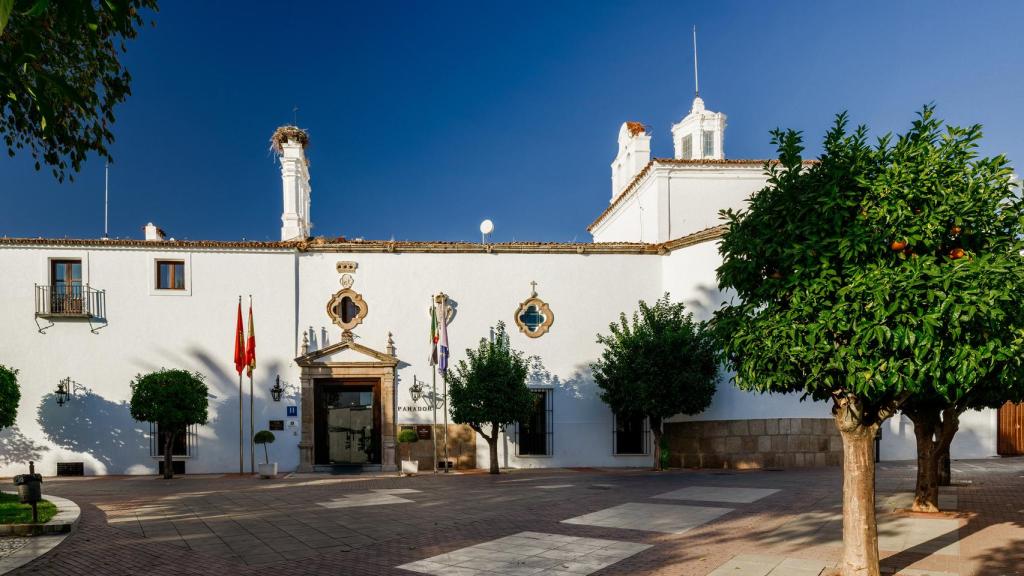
x: 409, y: 466
x: 268, y: 469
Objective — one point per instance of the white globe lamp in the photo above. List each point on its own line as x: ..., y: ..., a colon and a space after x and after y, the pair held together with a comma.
x: 486, y: 227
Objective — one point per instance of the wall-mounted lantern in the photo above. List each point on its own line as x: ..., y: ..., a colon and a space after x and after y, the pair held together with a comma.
x: 67, y: 389
x: 416, y: 390
x: 278, y: 390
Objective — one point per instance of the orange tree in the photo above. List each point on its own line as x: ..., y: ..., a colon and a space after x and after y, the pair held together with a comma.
x: 880, y: 277
x: 659, y: 365
x: 61, y: 77
x: 489, y: 388
x: 173, y: 400
x: 10, y: 395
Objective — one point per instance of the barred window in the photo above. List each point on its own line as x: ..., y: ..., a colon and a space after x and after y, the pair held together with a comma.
x: 536, y: 435
x: 630, y: 435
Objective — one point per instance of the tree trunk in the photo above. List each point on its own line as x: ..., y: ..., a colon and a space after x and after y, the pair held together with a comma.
x: 934, y: 431
x: 945, y: 468
x: 950, y: 425
x: 926, y: 490
x: 655, y: 432
x: 860, y: 533
x: 168, y: 457
x: 493, y: 445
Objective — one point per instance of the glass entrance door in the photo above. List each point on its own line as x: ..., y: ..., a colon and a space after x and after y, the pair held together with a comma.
x: 347, y: 426
x: 350, y: 427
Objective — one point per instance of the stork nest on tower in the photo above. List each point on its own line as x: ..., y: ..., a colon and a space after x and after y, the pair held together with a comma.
x: 286, y: 133
x: 636, y: 128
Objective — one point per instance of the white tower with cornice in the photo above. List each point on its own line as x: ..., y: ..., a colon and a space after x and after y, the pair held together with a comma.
x: 290, y: 144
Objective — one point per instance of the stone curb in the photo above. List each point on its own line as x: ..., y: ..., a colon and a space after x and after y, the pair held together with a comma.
x: 63, y: 522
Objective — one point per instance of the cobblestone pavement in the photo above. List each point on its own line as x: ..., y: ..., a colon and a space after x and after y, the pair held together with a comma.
x: 10, y: 544
x: 227, y: 525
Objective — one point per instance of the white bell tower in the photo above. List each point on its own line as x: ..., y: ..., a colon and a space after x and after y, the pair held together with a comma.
x: 634, y: 154
x: 701, y: 134
x: 290, y: 144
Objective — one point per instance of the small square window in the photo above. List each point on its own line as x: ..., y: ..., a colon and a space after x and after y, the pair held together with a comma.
x: 170, y: 275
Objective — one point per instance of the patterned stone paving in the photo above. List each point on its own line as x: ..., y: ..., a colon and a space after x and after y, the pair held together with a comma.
x: 528, y: 553
x: 718, y: 494
x: 243, y: 526
x: 667, y: 518
x: 373, y: 498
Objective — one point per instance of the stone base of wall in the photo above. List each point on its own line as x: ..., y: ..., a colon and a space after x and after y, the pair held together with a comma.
x: 461, y: 447
x: 769, y: 443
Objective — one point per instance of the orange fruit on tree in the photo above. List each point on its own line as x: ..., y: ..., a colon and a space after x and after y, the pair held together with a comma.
x: 898, y: 245
x: 956, y: 253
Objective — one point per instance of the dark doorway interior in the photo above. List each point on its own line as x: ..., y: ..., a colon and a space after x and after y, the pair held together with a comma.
x: 347, y: 427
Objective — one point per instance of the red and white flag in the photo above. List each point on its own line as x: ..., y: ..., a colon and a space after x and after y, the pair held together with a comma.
x: 239, y: 342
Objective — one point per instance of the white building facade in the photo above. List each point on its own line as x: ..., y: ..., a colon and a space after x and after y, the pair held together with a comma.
x: 343, y: 328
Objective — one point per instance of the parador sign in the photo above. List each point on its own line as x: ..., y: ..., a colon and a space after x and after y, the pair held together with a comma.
x: 414, y: 408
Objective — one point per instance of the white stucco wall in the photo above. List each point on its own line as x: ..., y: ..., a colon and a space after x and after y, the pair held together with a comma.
x: 674, y: 200
x: 689, y: 276
x: 695, y: 196
x: 145, y: 331
x: 976, y: 437
x: 585, y: 293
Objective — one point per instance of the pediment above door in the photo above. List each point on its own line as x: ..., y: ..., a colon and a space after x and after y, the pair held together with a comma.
x: 347, y: 353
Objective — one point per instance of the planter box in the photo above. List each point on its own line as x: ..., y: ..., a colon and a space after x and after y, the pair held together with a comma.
x: 410, y: 467
x: 268, y: 470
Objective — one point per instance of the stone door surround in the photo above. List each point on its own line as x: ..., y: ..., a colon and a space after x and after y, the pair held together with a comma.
x: 320, y: 364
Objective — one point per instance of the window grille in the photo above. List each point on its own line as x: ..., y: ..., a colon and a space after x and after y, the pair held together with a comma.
x: 536, y: 436
x: 185, y: 444
x: 630, y: 436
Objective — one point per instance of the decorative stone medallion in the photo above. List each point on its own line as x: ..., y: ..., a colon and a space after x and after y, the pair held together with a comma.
x: 534, y: 316
x: 347, y: 309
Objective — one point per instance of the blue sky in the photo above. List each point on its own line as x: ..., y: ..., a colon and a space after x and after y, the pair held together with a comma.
x: 427, y: 117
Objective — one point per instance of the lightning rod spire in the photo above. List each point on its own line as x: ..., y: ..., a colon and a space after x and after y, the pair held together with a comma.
x: 696, y: 84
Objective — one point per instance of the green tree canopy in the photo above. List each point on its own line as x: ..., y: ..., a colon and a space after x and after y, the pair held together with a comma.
x: 489, y: 388
x: 659, y: 364
x: 60, y: 76
x: 174, y: 400
x: 879, y: 274
x: 10, y: 395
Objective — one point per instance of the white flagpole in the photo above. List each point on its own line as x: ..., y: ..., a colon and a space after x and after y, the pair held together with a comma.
x: 433, y: 397
x: 252, y: 423
x: 442, y: 353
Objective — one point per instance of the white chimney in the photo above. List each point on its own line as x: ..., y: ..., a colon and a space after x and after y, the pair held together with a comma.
x: 153, y: 233
x: 290, y: 143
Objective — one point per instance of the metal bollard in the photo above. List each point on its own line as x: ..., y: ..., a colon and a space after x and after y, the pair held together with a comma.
x: 30, y: 490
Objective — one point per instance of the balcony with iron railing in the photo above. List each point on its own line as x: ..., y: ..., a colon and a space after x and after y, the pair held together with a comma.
x: 72, y: 300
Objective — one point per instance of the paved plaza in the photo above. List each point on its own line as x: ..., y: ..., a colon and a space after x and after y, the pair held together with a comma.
x: 555, y: 522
